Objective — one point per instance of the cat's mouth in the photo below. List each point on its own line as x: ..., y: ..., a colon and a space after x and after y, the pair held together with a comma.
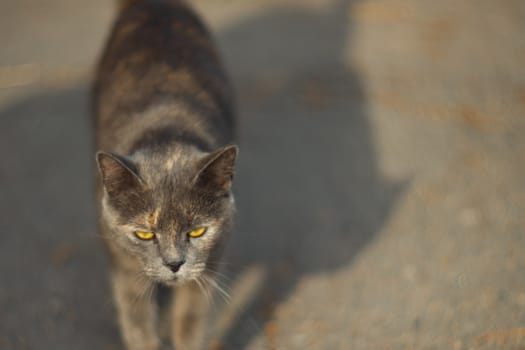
x: 173, y: 281
x: 165, y: 278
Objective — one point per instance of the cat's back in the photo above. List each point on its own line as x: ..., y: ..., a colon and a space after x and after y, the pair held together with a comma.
x: 160, y: 71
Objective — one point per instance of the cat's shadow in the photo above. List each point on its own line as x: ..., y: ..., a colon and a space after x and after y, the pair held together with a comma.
x: 310, y: 192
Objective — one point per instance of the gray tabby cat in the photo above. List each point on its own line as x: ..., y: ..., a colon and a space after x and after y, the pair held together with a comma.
x: 164, y: 119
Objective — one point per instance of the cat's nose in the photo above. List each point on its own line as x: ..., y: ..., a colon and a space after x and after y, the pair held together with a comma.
x: 175, y: 265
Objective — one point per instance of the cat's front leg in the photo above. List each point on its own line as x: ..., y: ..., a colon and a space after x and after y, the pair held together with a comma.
x: 136, y: 309
x: 190, y: 312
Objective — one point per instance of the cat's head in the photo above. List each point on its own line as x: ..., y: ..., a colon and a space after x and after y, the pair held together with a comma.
x: 170, y: 212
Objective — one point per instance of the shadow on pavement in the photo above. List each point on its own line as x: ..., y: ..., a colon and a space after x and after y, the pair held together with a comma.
x: 310, y: 193
x: 54, y: 293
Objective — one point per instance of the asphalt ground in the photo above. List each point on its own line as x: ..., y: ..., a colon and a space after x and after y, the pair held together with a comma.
x: 380, y: 184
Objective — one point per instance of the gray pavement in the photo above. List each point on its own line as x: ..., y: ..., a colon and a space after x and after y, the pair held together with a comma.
x: 380, y: 183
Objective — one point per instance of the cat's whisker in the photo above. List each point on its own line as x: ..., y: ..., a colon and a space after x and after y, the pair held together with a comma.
x: 219, y: 274
x: 145, y: 291
x: 204, y: 290
x: 201, y: 287
x: 150, y: 291
x: 220, y: 278
x: 210, y: 288
x: 135, y: 301
x: 222, y: 292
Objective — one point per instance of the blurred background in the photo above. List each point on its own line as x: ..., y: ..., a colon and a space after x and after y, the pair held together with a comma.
x: 380, y: 184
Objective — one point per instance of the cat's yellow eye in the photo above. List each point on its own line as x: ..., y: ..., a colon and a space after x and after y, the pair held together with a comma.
x: 145, y: 236
x: 197, y: 232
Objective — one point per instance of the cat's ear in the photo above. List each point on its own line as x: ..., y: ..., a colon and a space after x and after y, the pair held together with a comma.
x: 215, y: 171
x: 118, y: 173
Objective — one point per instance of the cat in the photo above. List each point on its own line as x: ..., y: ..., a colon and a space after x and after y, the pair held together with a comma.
x: 165, y: 129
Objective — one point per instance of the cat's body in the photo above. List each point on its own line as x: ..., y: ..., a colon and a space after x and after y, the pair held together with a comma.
x: 163, y: 115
